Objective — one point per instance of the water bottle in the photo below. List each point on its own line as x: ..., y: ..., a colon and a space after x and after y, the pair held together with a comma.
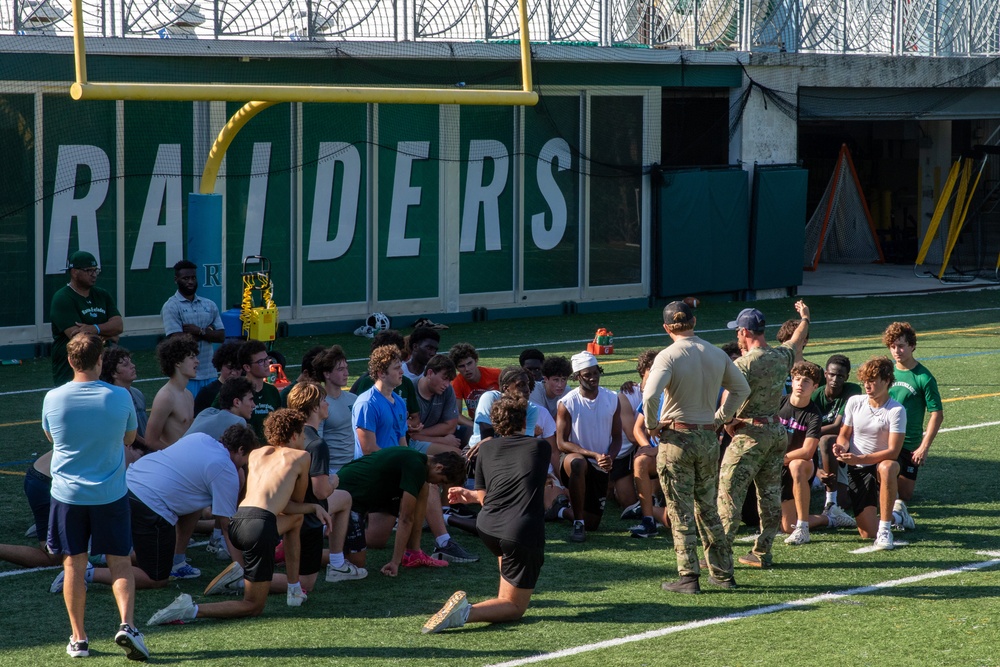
x: 10, y: 362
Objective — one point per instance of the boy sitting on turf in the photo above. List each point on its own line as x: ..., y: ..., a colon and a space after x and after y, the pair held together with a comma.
x: 802, y: 420
x: 272, y: 509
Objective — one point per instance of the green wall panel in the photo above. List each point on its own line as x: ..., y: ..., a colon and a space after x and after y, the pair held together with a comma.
x: 17, y: 214
x: 778, y: 224
x: 334, y: 203
x: 552, y: 194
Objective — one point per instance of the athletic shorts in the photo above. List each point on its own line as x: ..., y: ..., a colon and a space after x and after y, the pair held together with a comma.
x: 418, y: 446
x: 907, y: 468
x: 596, y: 493
x: 311, y: 541
x: 786, y: 483
x: 105, y: 529
x: 519, y: 565
x: 354, y: 541
x: 254, y: 531
x: 864, y: 487
x: 37, y: 488
x: 622, y: 467
x: 153, y: 539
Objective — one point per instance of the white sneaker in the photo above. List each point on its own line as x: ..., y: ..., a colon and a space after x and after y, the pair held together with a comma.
x: 838, y: 518
x: 906, y: 521
x: 883, y: 541
x: 296, y: 597
x: 227, y: 582
x: 453, y: 614
x: 57, y: 583
x: 799, y: 536
x: 217, y: 546
x: 348, y: 572
x: 181, y: 609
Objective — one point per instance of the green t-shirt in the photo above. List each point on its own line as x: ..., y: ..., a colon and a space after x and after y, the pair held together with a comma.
x: 376, y: 480
x: 831, y: 408
x: 68, y: 308
x: 917, y: 390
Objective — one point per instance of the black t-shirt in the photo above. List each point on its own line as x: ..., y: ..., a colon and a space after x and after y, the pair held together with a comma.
x: 800, y: 423
x: 319, y: 465
x: 513, y: 471
x: 206, y: 396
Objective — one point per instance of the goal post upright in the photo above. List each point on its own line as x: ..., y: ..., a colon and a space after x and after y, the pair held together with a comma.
x: 203, y: 244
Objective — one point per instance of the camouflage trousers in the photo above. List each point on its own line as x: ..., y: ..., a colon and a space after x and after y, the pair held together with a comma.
x: 688, y: 462
x: 754, y: 455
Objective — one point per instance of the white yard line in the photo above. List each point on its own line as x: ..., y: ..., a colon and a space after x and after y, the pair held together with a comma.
x: 771, y: 609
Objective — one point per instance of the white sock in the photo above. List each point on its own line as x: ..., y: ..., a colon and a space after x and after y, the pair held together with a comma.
x: 577, y: 522
x: 442, y: 540
x: 216, y: 533
x: 195, y: 611
x: 804, y: 525
x: 831, y: 497
x: 884, y: 525
x: 337, y: 559
x: 562, y: 512
x: 295, y: 588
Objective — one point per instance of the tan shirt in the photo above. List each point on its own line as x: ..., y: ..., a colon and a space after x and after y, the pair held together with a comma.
x: 691, y: 371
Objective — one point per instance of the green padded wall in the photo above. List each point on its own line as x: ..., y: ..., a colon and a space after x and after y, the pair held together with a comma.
x: 777, y: 226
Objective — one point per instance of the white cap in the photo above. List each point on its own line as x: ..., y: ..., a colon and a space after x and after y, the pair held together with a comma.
x: 583, y: 360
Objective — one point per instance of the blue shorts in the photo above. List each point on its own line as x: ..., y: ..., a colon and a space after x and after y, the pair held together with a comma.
x: 37, y: 488
x: 107, y: 529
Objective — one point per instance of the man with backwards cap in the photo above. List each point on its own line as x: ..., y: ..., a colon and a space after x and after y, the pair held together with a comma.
x: 689, y: 373
x: 589, y: 433
x: 78, y: 307
x: 759, y: 439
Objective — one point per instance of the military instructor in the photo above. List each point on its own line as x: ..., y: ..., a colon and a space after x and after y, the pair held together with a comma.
x: 78, y: 307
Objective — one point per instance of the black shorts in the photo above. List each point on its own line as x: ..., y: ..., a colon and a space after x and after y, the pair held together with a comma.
x: 99, y: 529
x: 596, y: 493
x: 254, y: 531
x: 622, y: 467
x: 519, y: 565
x: 786, y: 483
x: 907, y: 468
x: 311, y: 541
x: 37, y: 488
x: 354, y: 541
x: 153, y: 539
x: 864, y: 486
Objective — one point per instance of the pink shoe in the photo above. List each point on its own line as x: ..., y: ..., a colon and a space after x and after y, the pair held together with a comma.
x: 420, y: 559
x: 279, y: 553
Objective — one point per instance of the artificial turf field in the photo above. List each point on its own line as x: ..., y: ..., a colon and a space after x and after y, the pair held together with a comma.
x: 911, y: 609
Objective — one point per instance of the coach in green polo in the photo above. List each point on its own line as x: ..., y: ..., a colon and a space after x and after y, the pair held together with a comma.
x: 81, y: 306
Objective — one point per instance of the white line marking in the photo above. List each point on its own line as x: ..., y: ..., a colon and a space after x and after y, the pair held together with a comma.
x: 632, y: 337
x: 30, y: 570
x: 784, y: 606
x: 994, y: 554
x: 963, y: 428
x: 871, y: 547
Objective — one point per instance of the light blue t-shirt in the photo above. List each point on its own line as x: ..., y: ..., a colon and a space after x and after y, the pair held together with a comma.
x: 373, y: 412
x: 88, y: 422
x: 483, y: 408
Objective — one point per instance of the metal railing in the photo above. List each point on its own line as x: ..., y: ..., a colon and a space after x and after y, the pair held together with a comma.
x: 890, y: 27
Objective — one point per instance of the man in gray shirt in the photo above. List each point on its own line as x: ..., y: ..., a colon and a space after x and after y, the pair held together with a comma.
x: 691, y: 371
x: 236, y: 395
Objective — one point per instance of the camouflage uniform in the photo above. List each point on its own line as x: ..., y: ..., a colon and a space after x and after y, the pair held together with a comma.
x: 687, y: 462
x: 757, y: 450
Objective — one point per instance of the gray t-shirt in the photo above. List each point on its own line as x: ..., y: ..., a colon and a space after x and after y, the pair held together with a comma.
x: 438, y: 408
x: 539, y: 396
x: 214, y: 422
x: 337, y: 430
x: 141, y: 416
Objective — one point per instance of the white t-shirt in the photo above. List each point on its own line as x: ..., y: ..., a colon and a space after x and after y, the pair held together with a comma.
x: 591, y: 419
x: 190, y: 474
x: 872, y: 426
x: 545, y: 422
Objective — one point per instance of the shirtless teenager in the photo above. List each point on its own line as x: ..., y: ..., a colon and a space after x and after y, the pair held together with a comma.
x: 173, y: 407
x: 272, y: 509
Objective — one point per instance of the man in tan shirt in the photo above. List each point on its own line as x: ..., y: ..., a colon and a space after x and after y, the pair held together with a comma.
x: 689, y: 373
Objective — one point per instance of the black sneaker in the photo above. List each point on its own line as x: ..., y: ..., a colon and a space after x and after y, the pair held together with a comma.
x: 552, y: 513
x: 454, y: 553
x: 579, y: 533
x: 132, y: 641
x: 644, y: 529
x: 80, y: 649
